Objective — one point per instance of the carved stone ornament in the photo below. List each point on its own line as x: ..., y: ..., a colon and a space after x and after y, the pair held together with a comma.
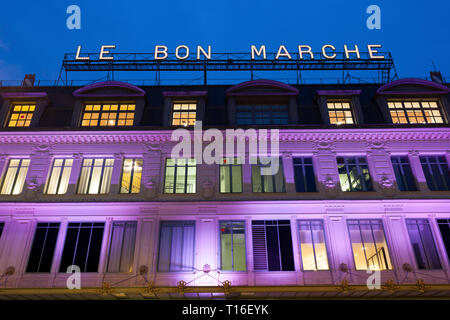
x: 329, y: 182
x: 207, y: 189
x: 387, y: 186
x: 32, y: 188
x: 150, y: 189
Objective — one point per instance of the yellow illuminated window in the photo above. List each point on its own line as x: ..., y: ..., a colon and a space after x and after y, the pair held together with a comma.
x: 415, y: 112
x: 131, y: 176
x: 184, y: 113
x: 340, y: 112
x: 105, y: 115
x: 21, y: 115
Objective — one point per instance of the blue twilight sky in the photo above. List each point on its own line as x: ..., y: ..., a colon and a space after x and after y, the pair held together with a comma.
x: 34, y: 36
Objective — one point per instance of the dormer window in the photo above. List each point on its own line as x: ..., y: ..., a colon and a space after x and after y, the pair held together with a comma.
x: 108, y: 104
x: 108, y: 114
x: 184, y: 113
x: 340, y: 112
x: 415, y: 112
x: 21, y: 115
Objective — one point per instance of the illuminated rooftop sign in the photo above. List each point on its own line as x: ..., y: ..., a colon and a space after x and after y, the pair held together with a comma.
x: 302, y: 52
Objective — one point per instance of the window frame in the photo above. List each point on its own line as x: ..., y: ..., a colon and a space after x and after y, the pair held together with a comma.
x: 381, y: 222
x: 58, y: 184
x: 232, y: 221
x: 401, y: 169
x: 101, y: 111
x: 90, y: 175
x: 134, y: 159
x: 433, y: 237
x: 110, y: 238
x: 271, y: 111
x: 325, y: 241
x: 183, y: 223
x: 430, y: 171
x: 11, y: 112
x: 270, y: 222
x: 43, y: 248
x: 11, y: 193
x: 261, y: 177
x: 189, y: 111
x: 358, y: 165
x: 302, y: 166
x: 86, y: 258
x: 241, y: 176
x: 421, y: 108
x: 186, y: 166
x: 334, y: 109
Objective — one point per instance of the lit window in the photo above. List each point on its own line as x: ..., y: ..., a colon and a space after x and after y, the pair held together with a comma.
x: 114, y: 115
x: 304, y: 175
x: 58, y: 179
x: 131, y: 176
x: 403, y: 174
x: 20, y: 115
x: 184, y: 113
x: 272, y: 245
x: 43, y: 248
x: 15, y: 176
x: 176, y: 246
x: 369, y: 245
x: 232, y: 245
x: 82, y: 246
x: 273, y: 182
x: 95, y: 176
x: 444, y: 227
x: 262, y: 114
x: 436, y: 172
x: 415, y: 112
x: 354, y: 174
x: 340, y: 112
x: 312, y: 245
x: 181, y: 176
x: 121, y: 251
x: 231, y: 175
x: 423, y: 244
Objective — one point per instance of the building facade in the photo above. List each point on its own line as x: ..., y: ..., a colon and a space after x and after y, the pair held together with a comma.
x: 88, y: 181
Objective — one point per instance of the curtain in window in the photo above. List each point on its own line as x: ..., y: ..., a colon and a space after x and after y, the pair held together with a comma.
x: 176, y: 246
x: 121, y: 251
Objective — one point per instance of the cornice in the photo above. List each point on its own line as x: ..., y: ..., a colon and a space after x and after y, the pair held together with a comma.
x: 323, y: 136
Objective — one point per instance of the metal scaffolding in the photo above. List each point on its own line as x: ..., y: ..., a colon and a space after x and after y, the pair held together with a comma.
x: 384, y: 67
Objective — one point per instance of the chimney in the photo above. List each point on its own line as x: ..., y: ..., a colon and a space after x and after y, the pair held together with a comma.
x: 28, y: 81
x: 436, y: 76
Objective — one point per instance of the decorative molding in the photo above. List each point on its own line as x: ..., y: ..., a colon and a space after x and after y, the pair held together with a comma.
x: 23, y: 95
x: 338, y: 92
x: 153, y: 138
x: 434, y: 88
x: 83, y: 92
x: 184, y: 93
x: 283, y: 88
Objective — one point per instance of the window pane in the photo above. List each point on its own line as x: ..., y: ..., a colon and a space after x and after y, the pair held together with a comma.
x: 423, y: 244
x: 232, y: 245
x: 15, y: 176
x: 312, y: 245
x: 369, y: 245
x: 43, y: 248
x: 272, y: 245
x: 82, y: 246
x: 176, y: 246
x: 121, y: 251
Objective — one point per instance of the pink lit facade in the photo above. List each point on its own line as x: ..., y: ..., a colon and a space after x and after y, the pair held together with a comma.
x: 208, y: 206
